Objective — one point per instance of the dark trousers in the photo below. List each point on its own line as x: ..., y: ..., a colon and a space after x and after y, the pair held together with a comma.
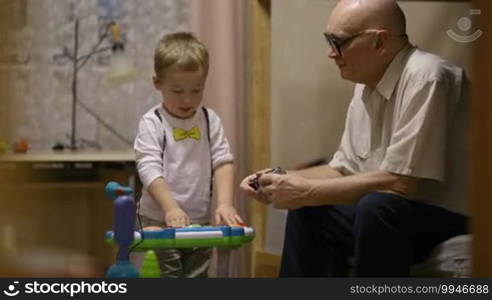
x: 384, y: 233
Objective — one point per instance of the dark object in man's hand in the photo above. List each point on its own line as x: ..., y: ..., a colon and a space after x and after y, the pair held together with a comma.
x: 255, y: 183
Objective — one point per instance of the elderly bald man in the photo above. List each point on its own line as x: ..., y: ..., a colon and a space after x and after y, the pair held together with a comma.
x: 396, y: 187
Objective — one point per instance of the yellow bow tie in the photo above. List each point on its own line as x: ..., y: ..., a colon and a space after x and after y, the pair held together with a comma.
x: 181, y: 134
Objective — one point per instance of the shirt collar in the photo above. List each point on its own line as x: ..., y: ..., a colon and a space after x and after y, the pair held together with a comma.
x: 388, y: 82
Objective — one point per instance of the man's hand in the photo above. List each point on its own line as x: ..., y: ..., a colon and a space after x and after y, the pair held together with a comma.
x: 227, y: 214
x: 287, y: 191
x: 176, y: 217
x: 257, y: 194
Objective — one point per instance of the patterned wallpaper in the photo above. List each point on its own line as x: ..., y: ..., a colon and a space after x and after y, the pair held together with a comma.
x: 40, y: 107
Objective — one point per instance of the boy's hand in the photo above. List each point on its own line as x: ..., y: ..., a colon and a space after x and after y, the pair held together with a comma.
x: 176, y: 217
x: 227, y: 214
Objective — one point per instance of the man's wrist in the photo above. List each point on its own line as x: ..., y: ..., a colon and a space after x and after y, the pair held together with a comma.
x: 312, y: 193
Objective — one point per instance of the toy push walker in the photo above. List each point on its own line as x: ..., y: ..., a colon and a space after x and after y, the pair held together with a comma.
x: 127, y: 238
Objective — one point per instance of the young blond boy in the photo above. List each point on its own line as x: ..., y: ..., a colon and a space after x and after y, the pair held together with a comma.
x: 181, y: 150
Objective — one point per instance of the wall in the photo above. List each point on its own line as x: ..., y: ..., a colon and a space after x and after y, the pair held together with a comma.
x: 43, y: 101
x: 309, y: 99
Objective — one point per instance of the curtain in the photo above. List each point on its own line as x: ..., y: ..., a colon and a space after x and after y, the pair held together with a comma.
x: 220, y: 24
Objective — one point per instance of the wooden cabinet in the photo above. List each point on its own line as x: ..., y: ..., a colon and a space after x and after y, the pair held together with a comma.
x: 54, y: 212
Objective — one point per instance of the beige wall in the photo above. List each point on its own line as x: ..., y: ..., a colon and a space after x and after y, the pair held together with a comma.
x: 309, y: 99
x: 41, y: 87
x: 308, y: 96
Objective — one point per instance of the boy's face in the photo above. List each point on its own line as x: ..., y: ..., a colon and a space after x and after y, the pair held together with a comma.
x: 182, y: 91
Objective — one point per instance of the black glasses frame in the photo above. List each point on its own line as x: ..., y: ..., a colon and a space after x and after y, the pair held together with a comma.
x: 337, y: 43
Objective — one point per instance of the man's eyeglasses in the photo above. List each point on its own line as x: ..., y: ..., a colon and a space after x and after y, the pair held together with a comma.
x: 336, y: 43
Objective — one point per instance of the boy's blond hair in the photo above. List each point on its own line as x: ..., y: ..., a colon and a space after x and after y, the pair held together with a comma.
x: 181, y: 51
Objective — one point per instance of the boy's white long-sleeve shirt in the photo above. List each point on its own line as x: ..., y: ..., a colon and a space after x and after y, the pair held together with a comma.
x: 184, y: 164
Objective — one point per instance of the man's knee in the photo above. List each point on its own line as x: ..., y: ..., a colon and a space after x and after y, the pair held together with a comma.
x: 381, y: 207
x: 307, y: 213
x: 314, y: 218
